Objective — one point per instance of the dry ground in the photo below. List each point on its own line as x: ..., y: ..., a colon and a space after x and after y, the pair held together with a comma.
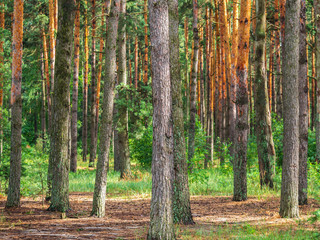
x: 128, y: 219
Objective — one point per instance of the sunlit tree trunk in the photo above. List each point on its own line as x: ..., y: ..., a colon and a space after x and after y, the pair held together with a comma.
x: 277, y: 55
x: 43, y: 102
x: 265, y: 145
x: 122, y: 123
x: 74, y: 110
x: 52, y: 54
x: 13, y: 199
x: 145, y: 64
x: 85, y: 87
x: 181, y: 196
x: 187, y: 83
x: 136, y: 67
x: 242, y: 127
x: 290, y: 166
x: 161, y: 217
x: 59, y: 153
x: 233, y: 78
x: 303, y: 108
x: 99, y: 196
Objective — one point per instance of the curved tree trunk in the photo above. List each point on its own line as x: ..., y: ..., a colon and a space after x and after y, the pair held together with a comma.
x: 59, y: 154
x: 290, y: 166
x: 181, y: 196
x: 242, y: 126
x: 161, y: 217
x: 99, y: 196
x: 13, y: 199
x: 265, y: 146
x: 74, y: 111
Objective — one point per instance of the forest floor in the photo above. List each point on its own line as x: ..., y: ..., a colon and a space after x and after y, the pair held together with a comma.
x: 215, y: 218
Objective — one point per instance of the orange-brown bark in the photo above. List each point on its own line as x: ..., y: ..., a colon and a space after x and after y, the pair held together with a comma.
x: 136, y: 74
x: 46, y: 69
x: 145, y: 67
x: 270, y: 85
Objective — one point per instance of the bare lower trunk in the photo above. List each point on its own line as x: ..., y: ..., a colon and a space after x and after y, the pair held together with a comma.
x: 99, y: 196
x: 59, y: 154
x: 13, y: 199
x: 122, y: 123
x: 181, y: 196
x: 303, y: 108
x: 290, y: 166
x: 161, y: 217
x: 265, y: 145
x: 93, y: 142
x: 193, y: 84
x: 74, y: 110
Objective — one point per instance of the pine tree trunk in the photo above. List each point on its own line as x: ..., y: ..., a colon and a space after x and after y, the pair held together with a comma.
x: 74, y: 111
x: 181, y: 196
x: 161, y: 217
x: 60, y: 109
x: 242, y: 127
x: 93, y: 142
x: 2, y: 25
x: 136, y: 62
x: 290, y: 166
x: 145, y: 64
x: 122, y: 123
x: 43, y: 102
x: 303, y: 108
x: 13, y: 199
x: 317, y: 45
x: 265, y: 145
x: 193, y: 84
x: 85, y: 88
x: 99, y: 196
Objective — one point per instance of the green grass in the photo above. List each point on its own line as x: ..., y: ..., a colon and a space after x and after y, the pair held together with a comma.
x: 245, y: 232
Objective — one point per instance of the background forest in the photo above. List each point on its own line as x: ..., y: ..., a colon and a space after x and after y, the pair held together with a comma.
x: 230, y: 101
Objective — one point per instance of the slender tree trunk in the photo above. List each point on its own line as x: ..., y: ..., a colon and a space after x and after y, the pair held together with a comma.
x: 145, y: 64
x: 161, y: 217
x: 317, y: 47
x: 13, y: 199
x: 233, y: 79
x: 85, y: 87
x: 242, y: 127
x: 136, y: 67
x: 193, y: 84
x: 93, y: 142
x: 187, y: 83
x: 122, y: 123
x: 265, y: 145
x: 2, y: 25
x: 74, y: 111
x: 303, y: 108
x: 290, y: 166
x: 181, y: 196
x: 99, y: 196
x: 43, y: 102
x: 277, y: 55
x: 60, y: 109
x: 52, y: 53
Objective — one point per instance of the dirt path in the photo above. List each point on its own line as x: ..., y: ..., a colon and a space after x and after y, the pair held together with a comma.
x: 128, y: 219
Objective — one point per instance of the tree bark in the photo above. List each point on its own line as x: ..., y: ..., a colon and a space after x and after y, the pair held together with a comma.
x: 13, y: 199
x: 290, y: 166
x: 303, y: 108
x: 60, y: 112
x: 193, y: 84
x: 85, y: 87
x: 99, y: 196
x: 74, y: 110
x: 265, y: 145
x: 122, y: 123
x: 317, y: 118
x: 181, y: 196
x: 93, y: 135
x: 161, y: 217
x: 242, y: 127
